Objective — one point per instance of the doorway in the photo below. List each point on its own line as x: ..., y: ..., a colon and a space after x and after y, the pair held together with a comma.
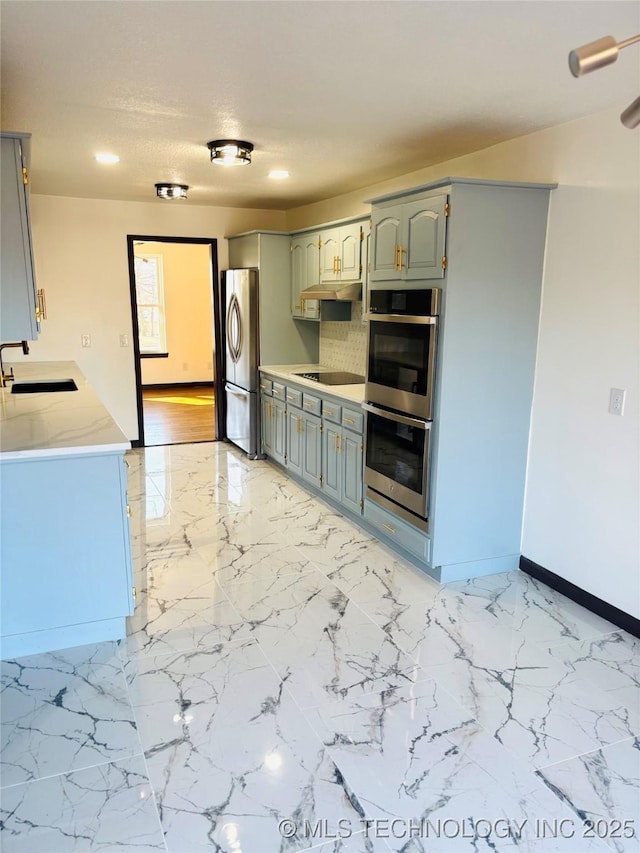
x: 175, y: 312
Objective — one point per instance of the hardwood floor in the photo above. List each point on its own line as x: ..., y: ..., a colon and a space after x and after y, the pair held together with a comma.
x: 178, y: 415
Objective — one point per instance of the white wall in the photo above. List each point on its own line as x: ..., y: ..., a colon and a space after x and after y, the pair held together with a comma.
x: 188, y: 304
x: 582, y: 500
x: 80, y: 250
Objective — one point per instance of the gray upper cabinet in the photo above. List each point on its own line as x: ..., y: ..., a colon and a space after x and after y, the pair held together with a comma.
x: 408, y: 240
x: 20, y: 305
x: 340, y: 253
x: 305, y: 272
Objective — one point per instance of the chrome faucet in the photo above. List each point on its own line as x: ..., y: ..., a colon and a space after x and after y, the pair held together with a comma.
x: 8, y: 377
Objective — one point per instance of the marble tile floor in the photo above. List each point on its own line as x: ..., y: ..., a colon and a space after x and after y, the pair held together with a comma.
x: 287, y: 683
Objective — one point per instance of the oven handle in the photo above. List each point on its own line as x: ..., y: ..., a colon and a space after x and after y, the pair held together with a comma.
x: 402, y: 318
x: 401, y: 419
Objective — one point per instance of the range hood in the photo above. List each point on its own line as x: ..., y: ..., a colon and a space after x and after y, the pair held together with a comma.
x: 348, y: 292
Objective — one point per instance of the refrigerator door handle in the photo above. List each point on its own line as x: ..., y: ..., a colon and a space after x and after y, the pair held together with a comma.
x: 242, y: 394
x: 234, y: 329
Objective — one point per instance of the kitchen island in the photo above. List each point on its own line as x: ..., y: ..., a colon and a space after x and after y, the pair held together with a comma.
x: 65, y: 548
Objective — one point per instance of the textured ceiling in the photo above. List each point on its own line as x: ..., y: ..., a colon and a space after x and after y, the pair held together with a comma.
x: 342, y: 94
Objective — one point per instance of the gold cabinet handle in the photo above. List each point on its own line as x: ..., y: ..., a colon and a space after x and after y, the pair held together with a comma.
x: 389, y: 528
x: 329, y: 412
x: 300, y: 425
x: 338, y: 265
x: 402, y: 253
x: 128, y: 511
x: 348, y: 420
x: 337, y: 443
x: 41, y: 309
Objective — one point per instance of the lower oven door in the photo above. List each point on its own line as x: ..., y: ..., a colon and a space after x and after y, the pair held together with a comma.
x: 397, y: 458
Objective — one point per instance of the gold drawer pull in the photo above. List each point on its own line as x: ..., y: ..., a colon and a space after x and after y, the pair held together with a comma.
x: 329, y: 412
x: 348, y: 420
x: 389, y: 528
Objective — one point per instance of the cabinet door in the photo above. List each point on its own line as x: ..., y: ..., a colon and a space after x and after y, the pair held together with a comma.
x: 17, y: 279
x: 331, y: 469
x: 295, y: 443
x: 329, y: 255
x: 349, y: 246
x: 298, y: 270
x: 312, y: 463
x: 385, y: 243
x: 266, y: 422
x: 423, y: 238
x: 279, y: 431
x: 311, y: 307
x: 351, y: 462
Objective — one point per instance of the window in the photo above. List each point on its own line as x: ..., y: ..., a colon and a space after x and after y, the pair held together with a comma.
x: 150, y: 298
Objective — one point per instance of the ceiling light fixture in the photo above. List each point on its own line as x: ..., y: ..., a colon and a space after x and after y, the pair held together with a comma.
x: 171, y: 190
x: 279, y: 174
x: 598, y: 54
x: 109, y: 159
x: 230, y: 152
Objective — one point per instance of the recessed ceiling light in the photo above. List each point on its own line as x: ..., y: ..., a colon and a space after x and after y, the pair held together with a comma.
x: 107, y: 158
x: 279, y: 174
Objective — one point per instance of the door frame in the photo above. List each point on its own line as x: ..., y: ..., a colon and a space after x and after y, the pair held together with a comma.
x: 218, y: 340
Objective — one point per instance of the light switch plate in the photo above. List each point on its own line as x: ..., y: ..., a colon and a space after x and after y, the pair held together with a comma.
x: 86, y: 340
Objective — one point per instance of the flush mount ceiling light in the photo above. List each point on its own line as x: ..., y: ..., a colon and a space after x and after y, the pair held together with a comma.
x: 596, y: 55
x: 171, y: 190
x: 230, y: 152
x: 279, y: 174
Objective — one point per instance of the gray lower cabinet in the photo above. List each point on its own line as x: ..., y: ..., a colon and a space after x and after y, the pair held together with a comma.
x: 320, y: 442
x: 342, y: 452
x: 66, y: 569
x: 20, y: 308
x: 273, y: 424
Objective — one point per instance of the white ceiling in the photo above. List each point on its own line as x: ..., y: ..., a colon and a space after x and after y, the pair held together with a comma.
x: 342, y: 94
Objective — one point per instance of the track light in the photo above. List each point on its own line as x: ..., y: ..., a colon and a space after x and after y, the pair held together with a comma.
x: 598, y: 54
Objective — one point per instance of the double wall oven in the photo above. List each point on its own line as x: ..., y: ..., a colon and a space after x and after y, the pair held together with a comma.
x: 399, y: 392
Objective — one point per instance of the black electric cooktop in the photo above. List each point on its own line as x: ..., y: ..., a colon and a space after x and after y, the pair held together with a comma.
x: 329, y: 378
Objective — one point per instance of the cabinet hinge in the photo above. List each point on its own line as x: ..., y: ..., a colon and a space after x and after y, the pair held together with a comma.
x: 361, y: 234
x: 444, y: 262
x: 361, y: 504
x: 319, y: 243
x: 447, y: 209
x: 321, y: 480
x: 133, y: 591
x: 25, y: 176
x: 360, y: 269
x: 321, y: 429
x: 361, y: 448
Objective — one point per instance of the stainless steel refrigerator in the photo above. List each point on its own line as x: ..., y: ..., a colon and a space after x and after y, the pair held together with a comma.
x: 240, y: 294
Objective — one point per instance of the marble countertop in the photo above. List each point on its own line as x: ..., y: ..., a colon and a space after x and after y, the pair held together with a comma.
x: 54, y: 424
x: 352, y: 393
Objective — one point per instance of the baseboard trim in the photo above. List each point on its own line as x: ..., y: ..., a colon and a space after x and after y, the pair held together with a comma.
x: 580, y: 596
x: 208, y: 384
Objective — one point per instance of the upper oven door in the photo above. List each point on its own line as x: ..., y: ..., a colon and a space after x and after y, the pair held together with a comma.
x: 401, y: 366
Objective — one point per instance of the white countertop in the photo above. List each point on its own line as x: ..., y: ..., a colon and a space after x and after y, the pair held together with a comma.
x: 352, y: 393
x: 53, y: 424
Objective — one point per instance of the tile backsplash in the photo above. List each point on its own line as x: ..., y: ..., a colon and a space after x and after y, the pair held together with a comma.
x: 343, y: 345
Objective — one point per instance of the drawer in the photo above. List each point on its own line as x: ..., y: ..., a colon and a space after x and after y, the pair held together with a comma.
x: 392, y: 527
x: 353, y: 420
x: 331, y: 412
x: 266, y: 386
x: 294, y: 398
x: 278, y: 390
x: 311, y: 404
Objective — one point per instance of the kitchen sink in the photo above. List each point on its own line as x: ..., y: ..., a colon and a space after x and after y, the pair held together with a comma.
x: 43, y: 385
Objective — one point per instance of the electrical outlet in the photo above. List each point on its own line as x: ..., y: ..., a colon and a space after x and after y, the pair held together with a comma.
x: 86, y: 340
x: 124, y: 340
x: 616, y: 401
